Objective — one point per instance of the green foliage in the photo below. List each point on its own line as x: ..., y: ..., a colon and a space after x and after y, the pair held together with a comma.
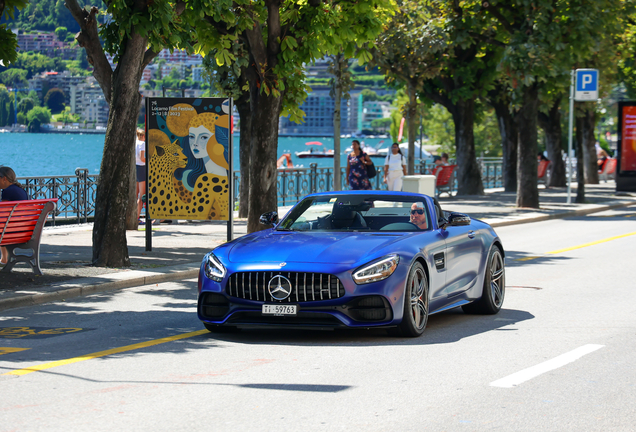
x: 8, y: 41
x: 381, y: 124
x: 544, y: 39
x: 54, y: 100
x: 61, y: 33
x: 36, y: 117
x: 48, y: 15
x: 35, y: 63
x: 159, y: 22
x: 407, y: 50
x: 14, y: 77
x: 26, y: 105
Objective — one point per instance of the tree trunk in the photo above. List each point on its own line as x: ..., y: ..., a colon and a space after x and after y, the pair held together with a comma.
x: 551, y: 125
x: 263, y: 175
x: 468, y: 172
x: 411, y: 116
x: 337, y: 100
x: 509, y: 137
x: 589, y: 145
x: 110, y: 248
x: 132, y: 217
x: 245, y: 143
x: 526, y: 121
x: 580, y: 170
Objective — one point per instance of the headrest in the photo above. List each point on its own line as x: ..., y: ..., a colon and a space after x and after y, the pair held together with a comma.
x: 343, y: 212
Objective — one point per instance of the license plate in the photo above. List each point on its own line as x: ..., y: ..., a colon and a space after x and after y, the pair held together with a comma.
x: 280, y: 310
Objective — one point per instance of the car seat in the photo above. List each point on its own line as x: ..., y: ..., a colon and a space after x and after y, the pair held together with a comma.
x: 346, y: 217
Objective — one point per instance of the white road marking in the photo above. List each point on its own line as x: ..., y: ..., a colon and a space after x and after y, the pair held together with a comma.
x: 532, y: 372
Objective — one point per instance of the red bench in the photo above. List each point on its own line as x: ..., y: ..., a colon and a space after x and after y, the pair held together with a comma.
x: 21, y: 224
x: 608, y: 169
x: 444, y: 179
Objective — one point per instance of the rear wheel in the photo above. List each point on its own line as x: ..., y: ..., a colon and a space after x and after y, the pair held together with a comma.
x: 494, y: 286
x: 415, y: 303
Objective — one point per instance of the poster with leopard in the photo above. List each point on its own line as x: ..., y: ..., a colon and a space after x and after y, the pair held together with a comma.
x: 189, y: 154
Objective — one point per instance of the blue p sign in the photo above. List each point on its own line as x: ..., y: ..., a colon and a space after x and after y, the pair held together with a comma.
x: 586, y: 85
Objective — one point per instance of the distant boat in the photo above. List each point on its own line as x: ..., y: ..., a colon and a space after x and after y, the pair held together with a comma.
x: 311, y: 153
x: 315, y: 154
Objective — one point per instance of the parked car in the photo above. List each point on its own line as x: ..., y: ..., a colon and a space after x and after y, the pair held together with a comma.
x: 354, y: 259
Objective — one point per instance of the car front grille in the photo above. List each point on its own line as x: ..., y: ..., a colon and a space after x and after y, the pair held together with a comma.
x: 304, y: 286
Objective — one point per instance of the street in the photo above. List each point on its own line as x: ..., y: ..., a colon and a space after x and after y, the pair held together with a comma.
x: 558, y: 357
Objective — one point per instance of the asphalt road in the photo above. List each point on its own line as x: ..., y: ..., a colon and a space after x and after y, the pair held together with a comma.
x: 559, y: 357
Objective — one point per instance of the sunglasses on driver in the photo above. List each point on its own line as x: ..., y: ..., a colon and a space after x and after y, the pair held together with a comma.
x: 418, y: 211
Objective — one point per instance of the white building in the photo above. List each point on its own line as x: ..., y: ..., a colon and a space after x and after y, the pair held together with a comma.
x: 87, y: 100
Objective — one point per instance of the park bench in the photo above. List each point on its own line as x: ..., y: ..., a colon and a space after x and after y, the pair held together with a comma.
x: 21, y: 224
x: 608, y: 170
x: 542, y: 172
x: 444, y: 179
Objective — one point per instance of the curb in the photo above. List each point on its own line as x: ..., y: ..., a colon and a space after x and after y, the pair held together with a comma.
x: 77, y: 289
x: 562, y: 215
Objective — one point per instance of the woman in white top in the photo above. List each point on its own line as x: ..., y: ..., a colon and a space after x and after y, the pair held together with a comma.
x: 394, y: 168
x: 140, y: 157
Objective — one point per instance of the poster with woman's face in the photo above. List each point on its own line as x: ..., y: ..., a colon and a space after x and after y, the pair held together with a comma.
x: 188, y: 158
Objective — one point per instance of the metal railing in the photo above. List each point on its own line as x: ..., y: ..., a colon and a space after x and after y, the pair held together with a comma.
x: 76, y: 193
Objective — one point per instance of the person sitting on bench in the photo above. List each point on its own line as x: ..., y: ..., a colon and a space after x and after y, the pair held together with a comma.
x: 11, y: 191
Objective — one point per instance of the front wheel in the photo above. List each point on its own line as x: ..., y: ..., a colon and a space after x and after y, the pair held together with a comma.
x: 494, y: 290
x: 415, y: 303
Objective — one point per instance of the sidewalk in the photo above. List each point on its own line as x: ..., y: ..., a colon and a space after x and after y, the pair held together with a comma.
x: 178, y: 248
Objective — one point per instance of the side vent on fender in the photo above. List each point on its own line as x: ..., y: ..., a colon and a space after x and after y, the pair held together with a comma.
x: 439, y: 261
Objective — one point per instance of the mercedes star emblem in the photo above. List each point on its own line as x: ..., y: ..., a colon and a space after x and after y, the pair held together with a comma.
x: 279, y: 287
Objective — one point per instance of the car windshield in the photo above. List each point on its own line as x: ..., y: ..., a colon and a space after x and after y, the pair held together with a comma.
x: 358, y: 213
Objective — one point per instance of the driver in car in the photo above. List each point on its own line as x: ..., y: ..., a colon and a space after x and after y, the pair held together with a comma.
x: 418, y: 215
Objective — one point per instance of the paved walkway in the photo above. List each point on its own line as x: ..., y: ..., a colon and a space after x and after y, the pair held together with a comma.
x: 178, y: 248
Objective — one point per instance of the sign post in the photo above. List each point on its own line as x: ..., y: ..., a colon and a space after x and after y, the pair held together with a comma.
x: 583, y: 88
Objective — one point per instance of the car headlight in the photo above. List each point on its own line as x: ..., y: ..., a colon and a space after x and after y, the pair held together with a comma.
x: 213, y: 268
x: 377, y: 270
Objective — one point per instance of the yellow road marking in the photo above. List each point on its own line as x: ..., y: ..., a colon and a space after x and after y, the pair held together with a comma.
x: 590, y: 244
x: 8, y: 350
x: 132, y: 347
x: 576, y: 247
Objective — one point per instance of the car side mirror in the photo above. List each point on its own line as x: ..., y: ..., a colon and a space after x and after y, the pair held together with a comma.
x: 269, y: 218
x: 458, y: 219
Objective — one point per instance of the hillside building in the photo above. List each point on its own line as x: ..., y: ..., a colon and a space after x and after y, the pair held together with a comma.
x: 87, y: 100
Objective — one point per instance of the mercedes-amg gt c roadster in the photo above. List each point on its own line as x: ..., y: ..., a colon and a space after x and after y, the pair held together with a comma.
x: 358, y: 259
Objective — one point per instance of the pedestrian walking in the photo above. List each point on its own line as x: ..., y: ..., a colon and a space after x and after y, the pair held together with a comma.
x: 140, y: 158
x: 357, y: 161
x: 394, y: 168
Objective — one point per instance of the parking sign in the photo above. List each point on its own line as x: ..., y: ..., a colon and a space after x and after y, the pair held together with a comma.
x: 586, y: 85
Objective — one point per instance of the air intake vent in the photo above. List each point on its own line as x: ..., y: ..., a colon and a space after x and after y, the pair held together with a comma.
x: 305, y: 287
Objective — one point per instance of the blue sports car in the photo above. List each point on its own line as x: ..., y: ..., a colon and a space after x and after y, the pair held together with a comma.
x: 354, y: 259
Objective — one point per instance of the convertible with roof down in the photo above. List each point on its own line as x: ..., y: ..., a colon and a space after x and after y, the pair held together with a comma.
x: 358, y: 259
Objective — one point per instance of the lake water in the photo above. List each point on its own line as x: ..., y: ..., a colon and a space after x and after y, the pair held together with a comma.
x: 33, y: 155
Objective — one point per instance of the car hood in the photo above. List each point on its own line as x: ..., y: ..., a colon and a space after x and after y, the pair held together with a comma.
x: 323, y: 247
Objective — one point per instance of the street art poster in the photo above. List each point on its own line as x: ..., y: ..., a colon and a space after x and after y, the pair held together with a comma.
x: 628, y: 139
x: 188, y: 148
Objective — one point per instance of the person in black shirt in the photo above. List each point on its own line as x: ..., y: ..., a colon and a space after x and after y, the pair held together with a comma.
x: 11, y: 191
